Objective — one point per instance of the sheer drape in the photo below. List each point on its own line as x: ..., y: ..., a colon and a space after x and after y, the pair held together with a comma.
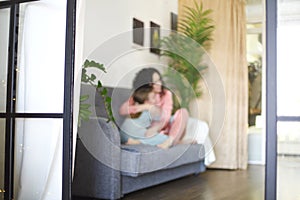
x: 38, y: 163
x: 228, y: 53
x: 40, y: 89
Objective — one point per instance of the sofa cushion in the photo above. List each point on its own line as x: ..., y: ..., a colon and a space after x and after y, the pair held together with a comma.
x: 141, y: 159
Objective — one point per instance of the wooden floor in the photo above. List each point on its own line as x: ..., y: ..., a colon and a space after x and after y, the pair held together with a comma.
x: 211, y: 185
x: 227, y: 184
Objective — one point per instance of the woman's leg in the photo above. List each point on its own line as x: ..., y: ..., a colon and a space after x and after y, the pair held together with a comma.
x: 177, y: 128
x: 178, y: 125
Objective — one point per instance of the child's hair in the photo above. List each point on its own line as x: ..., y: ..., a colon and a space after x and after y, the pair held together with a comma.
x: 140, y: 95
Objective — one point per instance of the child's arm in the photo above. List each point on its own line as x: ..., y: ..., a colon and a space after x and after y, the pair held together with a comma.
x: 130, y: 107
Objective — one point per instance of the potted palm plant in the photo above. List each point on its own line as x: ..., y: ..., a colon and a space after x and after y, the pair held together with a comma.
x: 185, y: 51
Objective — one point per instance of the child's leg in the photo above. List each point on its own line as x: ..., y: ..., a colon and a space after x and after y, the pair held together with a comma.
x: 178, y: 125
x: 155, y: 140
x: 166, y: 144
x: 132, y: 141
x: 126, y: 139
x: 134, y: 129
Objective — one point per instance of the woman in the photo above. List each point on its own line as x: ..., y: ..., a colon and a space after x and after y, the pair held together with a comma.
x: 173, y: 126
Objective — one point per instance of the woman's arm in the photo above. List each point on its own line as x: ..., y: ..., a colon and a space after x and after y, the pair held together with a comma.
x: 166, y: 108
x: 155, y: 112
x: 162, y: 111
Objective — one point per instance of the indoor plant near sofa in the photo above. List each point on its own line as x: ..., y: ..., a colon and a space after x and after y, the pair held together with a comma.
x: 91, y: 79
x: 185, y: 51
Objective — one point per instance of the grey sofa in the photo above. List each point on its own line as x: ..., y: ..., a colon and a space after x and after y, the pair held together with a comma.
x: 106, y: 169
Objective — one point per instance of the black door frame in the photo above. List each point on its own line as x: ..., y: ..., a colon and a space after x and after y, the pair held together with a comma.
x: 10, y: 115
x: 68, y: 101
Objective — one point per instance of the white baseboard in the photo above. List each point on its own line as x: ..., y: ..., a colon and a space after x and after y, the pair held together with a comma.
x: 256, y: 162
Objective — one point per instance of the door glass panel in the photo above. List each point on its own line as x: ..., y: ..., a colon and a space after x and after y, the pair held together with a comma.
x: 288, y: 136
x: 288, y: 176
x: 4, y: 38
x: 288, y: 48
x: 288, y: 99
x: 2, y: 156
x: 38, y: 158
x: 40, y: 74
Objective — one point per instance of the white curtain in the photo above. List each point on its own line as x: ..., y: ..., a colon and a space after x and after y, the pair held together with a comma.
x: 38, y: 164
x: 228, y: 55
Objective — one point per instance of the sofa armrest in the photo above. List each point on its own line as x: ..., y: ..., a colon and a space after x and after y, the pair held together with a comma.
x: 97, y: 160
x: 199, y: 131
x: 100, y: 136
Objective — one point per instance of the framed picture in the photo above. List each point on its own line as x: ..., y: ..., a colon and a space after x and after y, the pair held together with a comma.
x: 173, y: 21
x: 154, y: 38
x: 138, y: 32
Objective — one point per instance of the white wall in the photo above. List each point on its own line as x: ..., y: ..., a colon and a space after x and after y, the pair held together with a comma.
x: 108, y: 37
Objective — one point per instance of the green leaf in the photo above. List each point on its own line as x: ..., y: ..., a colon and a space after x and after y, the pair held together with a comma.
x: 104, y: 92
x: 93, y: 77
x: 94, y: 64
x: 84, y: 108
x: 108, y: 99
x: 84, y: 98
x: 99, y: 84
x: 86, y: 63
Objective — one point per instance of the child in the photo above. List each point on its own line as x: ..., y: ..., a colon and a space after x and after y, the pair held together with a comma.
x: 138, y: 127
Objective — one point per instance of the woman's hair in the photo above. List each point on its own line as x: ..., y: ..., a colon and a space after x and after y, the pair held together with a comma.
x: 144, y: 79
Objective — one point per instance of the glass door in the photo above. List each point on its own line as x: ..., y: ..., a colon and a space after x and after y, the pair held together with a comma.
x: 288, y: 99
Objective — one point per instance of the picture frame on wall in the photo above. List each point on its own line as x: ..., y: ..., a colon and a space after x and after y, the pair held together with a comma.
x: 138, y: 32
x: 174, y: 21
x: 154, y: 38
